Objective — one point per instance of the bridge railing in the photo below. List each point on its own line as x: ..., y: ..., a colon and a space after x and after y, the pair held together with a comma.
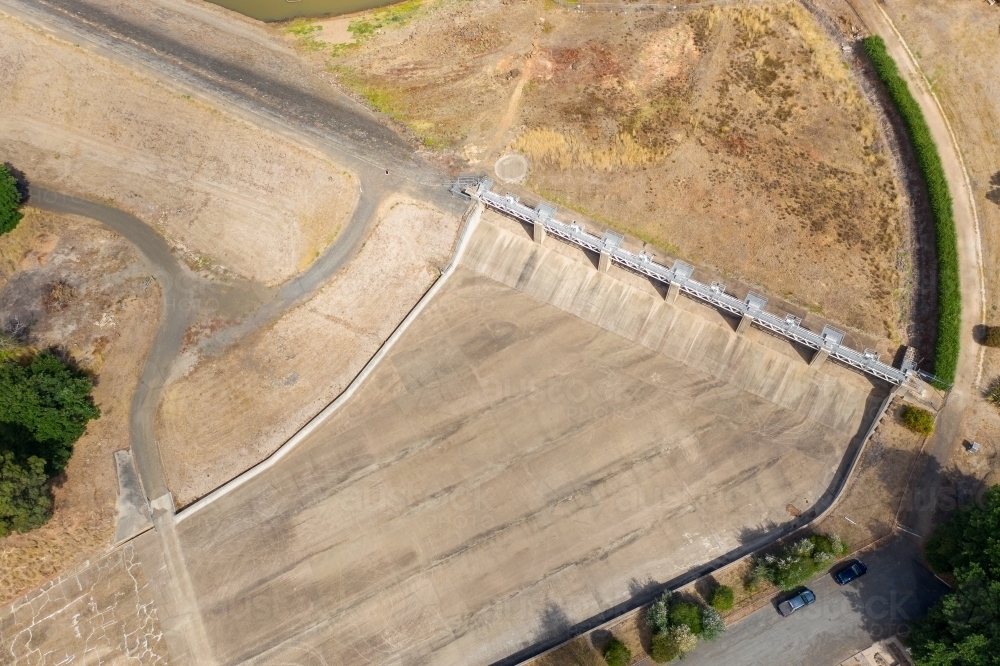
x: 829, y: 339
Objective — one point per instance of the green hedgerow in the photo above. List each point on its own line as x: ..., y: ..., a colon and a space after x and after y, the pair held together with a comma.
x: 918, y: 420
x: 946, y: 240
x: 617, y: 653
x: 722, y: 598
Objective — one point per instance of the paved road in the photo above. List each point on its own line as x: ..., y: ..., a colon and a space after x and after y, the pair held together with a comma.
x: 842, y: 622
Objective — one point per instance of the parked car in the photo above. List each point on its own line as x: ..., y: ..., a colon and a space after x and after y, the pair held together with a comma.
x: 857, y: 569
x: 800, y: 600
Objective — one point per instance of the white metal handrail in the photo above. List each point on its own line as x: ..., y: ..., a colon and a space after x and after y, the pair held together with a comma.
x: 830, y: 339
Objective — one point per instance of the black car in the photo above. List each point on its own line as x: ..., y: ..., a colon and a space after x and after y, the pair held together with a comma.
x: 800, y: 600
x: 856, y: 570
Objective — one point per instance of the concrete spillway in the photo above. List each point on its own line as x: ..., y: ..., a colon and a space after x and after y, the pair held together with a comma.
x: 702, y: 342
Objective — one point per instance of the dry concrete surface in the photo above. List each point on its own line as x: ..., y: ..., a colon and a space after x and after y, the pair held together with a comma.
x: 69, y: 283
x: 540, y: 441
x: 103, y: 613
x: 230, y: 411
x: 230, y: 197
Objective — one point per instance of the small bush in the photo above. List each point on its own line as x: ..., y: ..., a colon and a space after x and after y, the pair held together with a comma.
x: 994, y: 393
x: 658, y: 615
x: 617, y: 653
x: 687, y: 614
x: 672, y: 643
x: 664, y: 648
x: 992, y: 337
x: 722, y: 598
x: 918, y: 420
x: 712, y: 625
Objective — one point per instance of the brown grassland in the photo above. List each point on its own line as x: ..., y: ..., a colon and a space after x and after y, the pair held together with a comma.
x: 738, y: 138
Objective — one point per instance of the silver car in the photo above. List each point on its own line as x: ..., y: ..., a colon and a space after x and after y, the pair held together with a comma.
x: 800, y: 600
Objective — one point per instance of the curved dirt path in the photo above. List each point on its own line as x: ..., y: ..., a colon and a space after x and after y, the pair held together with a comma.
x: 920, y: 514
x: 185, y: 293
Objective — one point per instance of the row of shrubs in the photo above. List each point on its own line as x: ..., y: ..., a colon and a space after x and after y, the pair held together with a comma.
x: 797, y: 564
x: 929, y: 162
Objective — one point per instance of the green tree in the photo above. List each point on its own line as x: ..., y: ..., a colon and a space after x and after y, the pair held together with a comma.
x: 918, y: 420
x: 10, y: 201
x: 44, y: 408
x: 687, y: 614
x: 963, y: 629
x: 712, y: 625
x: 24, y: 494
x: 617, y: 653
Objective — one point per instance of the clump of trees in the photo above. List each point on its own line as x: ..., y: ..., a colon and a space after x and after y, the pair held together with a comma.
x: 678, y: 624
x: 10, y: 201
x: 918, y: 420
x: 798, y: 563
x: 617, y: 653
x: 45, y: 405
x: 963, y: 629
x: 949, y: 327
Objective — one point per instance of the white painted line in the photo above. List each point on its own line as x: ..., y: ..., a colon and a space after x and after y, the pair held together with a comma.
x: 470, y: 226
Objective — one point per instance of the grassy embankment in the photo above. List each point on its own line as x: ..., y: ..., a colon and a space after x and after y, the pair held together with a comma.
x: 949, y: 290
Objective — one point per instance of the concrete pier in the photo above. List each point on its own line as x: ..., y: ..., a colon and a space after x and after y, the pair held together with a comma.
x: 819, y: 357
x: 539, y: 232
x: 672, y: 291
x: 604, y: 263
x: 745, y: 322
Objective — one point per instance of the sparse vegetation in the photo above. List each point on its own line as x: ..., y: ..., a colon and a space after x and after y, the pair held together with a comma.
x: 722, y: 598
x: 798, y: 563
x: 918, y: 420
x: 10, y: 201
x: 993, y: 395
x: 949, y: 294
x: 617, y: 653
x: 991, y: 338
x: 394, y: 15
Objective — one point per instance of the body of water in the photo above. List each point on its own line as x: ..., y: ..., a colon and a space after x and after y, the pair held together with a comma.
x: 281, y: 10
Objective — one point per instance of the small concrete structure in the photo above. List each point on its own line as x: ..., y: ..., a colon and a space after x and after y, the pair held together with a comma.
x: 538, y: 232
x: 672, y: 290
x: 604, y: 263
x: 819, y: 358
x: 755, y: 305
x: 133, y: 514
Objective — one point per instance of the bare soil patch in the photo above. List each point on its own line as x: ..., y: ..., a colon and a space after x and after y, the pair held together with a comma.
x: 734, y: 137
x: 68, y: 282
x: 230, y: 197
x: 232, y: 411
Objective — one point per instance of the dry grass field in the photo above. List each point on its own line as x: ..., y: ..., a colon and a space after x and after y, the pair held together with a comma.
x: 734, y: 137
x: 76, y: 286
x: 230, y: 197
